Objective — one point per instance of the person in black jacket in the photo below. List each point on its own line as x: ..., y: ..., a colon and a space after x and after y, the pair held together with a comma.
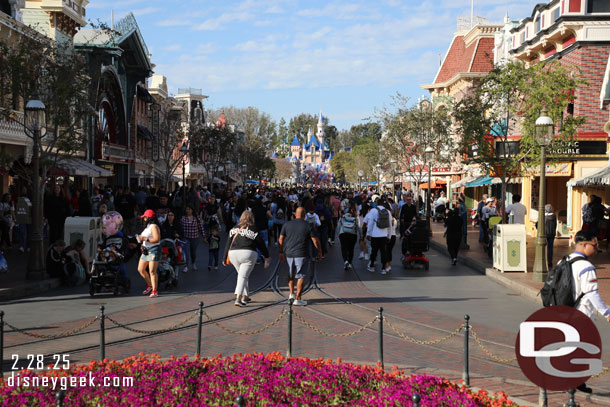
x: 171, y: 228
x: 241, y: 248
x: 550, y: 228
x: 56, y: 210
x: 453, y: 223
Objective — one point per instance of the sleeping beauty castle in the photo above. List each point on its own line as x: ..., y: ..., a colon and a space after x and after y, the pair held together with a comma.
x: 315, y: 149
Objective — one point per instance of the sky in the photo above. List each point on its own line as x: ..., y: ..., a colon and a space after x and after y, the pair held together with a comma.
x: 346, y: 58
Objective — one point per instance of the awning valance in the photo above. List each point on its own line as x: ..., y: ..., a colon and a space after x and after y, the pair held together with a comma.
x: 479, y: 182
x: 599, y: 177
x: 433, y: 185
x: 76, y: 166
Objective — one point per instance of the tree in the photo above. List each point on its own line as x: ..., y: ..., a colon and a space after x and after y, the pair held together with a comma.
x: 212, y: 146
x: 281, y: 140
x: 341, y: 165
x: 283, y: 169
x: 361, y: 132
x: 172, y: 135
x: 299, y: 126
x: 259, y: 128
x: 409, y: 130
x: 506, y: 104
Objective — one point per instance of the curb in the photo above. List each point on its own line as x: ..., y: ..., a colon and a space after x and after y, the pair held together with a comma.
x: 26, y: 289
x: 523, y: 290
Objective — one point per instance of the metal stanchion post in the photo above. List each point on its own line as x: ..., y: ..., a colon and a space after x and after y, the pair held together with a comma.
x: 571, y: 402
x: 102, y: 333
x: 241, y: 401
x: 466, y: 373
x: 542, y: 398
x: 289, y: 349
x: 60, y: 396
x: 380, y: 318
x: 199, y: 326
x: 1, y: 343
x: 415, y: 399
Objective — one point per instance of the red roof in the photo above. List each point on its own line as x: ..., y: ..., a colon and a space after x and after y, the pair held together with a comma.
x: 460, y: 58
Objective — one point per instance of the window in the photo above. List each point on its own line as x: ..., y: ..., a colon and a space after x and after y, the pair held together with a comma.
x: 598, y: 6
x: 570, y: 109
x: 555, y: 15
x: 538, y: 23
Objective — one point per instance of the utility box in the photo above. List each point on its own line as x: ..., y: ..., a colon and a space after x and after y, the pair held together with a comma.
x: 509, y: 251
x: 88, y: 229
x: 23, y: 211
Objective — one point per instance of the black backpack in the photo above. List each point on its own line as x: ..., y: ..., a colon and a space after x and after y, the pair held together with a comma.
x: 558, y: 288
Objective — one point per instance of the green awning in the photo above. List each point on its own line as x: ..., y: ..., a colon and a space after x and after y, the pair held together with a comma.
x: 485, y: 180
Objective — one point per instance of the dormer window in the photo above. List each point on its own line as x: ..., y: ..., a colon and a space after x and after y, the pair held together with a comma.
x: 555, y: 14
x: 538, y: 23
x: 598, y: 6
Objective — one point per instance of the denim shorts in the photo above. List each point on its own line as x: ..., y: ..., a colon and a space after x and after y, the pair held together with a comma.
x: 154, y: 254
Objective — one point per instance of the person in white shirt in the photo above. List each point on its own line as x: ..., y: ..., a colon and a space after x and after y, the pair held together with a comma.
x: 517, y: 209
x: 586, y: 288
x: 378, y: 236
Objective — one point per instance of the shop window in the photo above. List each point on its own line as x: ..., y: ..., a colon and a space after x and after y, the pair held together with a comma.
x: 598, y: 6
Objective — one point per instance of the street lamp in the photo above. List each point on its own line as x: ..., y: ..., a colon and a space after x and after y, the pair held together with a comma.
x: 184, y: 150
x: 544, y: 136
x: 243, y: 174
x: 393, y: 167
x: 429, y: 155
x: 378, y: 168
x: 35, y: 122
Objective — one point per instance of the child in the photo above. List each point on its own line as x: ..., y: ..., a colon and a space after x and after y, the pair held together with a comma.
x: 164, y: 266
x: 214, y: 245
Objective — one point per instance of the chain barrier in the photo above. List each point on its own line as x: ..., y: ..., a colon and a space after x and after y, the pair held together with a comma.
x: 153, y: 332
x: 420, y: 342
x: 600, y: 374
x: 321, y: 332
x: 487, y: 351
x: 58, y: 336
x: 257, y: 331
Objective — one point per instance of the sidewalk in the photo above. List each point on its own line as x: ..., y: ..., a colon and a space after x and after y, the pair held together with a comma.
x: 477, y: 259
x: 14, y: 284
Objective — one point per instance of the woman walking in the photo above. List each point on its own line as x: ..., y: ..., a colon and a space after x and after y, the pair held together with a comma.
x: 550, y: 228
x: 151, y: 253
x: 392, y: 242
x: 453, y: 223
x: 348, y: 229
x: 192, y: 230
x: 241, y: 249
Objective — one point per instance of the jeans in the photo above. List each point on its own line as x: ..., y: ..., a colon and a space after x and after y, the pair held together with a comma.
x: 549, y: 251
x: 348, y: 242
x: 482, y: 234
x: 212, y: 257
x: 379, y: 244
x: 191, y: 253
x: 390, y: 247
x: 264, y: 234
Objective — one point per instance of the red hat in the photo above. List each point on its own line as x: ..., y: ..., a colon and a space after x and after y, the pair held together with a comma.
x: 149, y: 213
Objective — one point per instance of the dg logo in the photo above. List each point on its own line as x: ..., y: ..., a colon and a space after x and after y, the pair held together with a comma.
x: 559, y: 348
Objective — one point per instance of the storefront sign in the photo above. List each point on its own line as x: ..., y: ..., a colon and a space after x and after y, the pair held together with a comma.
x: 556, y: 170
x: 588, y: 148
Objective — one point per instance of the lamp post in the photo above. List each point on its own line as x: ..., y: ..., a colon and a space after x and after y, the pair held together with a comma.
x: 35, y: 122
x: 393, y: 165
x: 184, y: 150
x: 429, y: 155
x: 360, y: 175
x: 544, y: 135
x: 378, y: 168
x: 243, y: 174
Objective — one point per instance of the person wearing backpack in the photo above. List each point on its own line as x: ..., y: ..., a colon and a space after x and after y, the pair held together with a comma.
x: 377, y: 229
x: 347, y: 229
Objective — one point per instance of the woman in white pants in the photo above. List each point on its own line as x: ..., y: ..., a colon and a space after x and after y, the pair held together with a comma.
x: 241, y: 249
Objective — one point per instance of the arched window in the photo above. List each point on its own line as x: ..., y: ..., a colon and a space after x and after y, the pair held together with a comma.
x: 598, y: 6
x: 5, y: 7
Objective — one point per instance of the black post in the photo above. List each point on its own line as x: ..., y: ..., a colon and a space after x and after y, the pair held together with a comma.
x: 60, y: 396
x: 466, y: 373
x: 241, y: 401
x: 102, y: 334
x: 542, y: 398
x: 415, y: 399
x: 289, y: 349
x: 380, y: 319
x: 1, y: 343
x: 199, y: 326
x: 571, y: 402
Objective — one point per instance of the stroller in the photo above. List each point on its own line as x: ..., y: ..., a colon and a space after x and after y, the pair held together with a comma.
x: 172, y: 258
x: 415, y: 243
x: 106, y: 269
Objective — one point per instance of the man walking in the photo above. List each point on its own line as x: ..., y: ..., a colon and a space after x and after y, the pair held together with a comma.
x: 586, y: 292
x: 482, y: 203
x: 377, y: 229
x: 517, y: 209
x: 294, y: 248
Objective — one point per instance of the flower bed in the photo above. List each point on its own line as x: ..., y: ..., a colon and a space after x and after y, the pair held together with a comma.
x: 264, y: 380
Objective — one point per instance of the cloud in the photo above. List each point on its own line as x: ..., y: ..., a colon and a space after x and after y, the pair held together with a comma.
x: 109, y: 5
x: 213, y: 24
x: 172, y: 48
x: 174, y: 22
x: 146, y: 10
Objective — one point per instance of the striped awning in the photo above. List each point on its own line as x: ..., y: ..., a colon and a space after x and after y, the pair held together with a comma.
x: 599, y: 177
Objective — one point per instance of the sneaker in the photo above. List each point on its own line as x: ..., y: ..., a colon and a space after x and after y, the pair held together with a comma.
x: 275, y: 244
x: 246, y: 300
x: 371, y: 269
x: 292, y: 297
x: 238, y: 303
x: 349, y: 266
x: 454, y: 262
x: 215, y: 267
x: 21, y: 249
x: 366, y: 256
x: 185, y: 269
x: 258, y: 261
x: 194, y: 266
x: 209, y: 268
x: 147, y: 290
x: 361, y: 256
x: 299, y: 303
x: 154, y: 294
x: 346, y: 265
x: 384, y: 271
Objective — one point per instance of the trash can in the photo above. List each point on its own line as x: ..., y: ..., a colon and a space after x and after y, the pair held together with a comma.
x: 509, y: 252
x: 85, y: 228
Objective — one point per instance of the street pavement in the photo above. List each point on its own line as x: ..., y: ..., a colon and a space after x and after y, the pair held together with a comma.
x: 423, y: 305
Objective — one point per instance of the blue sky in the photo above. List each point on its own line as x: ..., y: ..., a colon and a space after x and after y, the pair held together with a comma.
x: 286, y: 57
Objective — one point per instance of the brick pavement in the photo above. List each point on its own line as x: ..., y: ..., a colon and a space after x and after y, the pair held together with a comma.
x: 326, y: 313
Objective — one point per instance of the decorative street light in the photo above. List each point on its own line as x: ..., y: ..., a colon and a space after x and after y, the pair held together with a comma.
x: 378, y: 169
x: 35, y: 122
x: 243, y: 174
x: 184, y: 150
x: 360, y: 175
x: 429, y: 155
x: 544, y: 135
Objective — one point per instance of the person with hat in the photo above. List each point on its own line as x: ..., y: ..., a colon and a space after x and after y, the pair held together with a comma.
x: 151, y: 253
